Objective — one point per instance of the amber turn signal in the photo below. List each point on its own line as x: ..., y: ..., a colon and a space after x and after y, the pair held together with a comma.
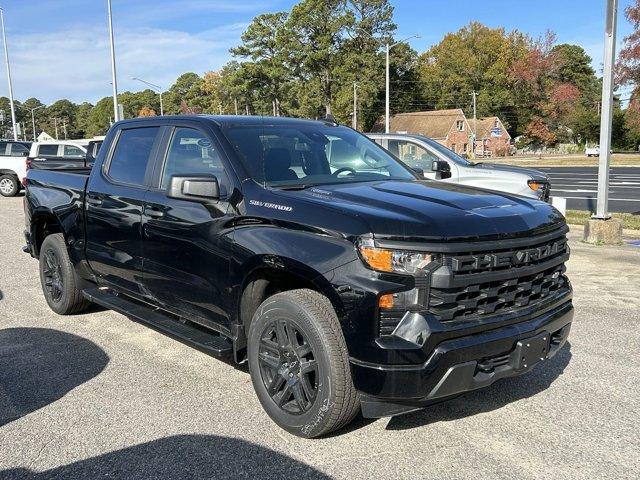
x: 386, y: 301
x: 535, y: 186
x: 377, y: 258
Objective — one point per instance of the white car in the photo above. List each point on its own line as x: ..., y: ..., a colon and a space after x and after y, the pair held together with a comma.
x: 437, y: 162
x: 593, y: 151
x: 13, y: 167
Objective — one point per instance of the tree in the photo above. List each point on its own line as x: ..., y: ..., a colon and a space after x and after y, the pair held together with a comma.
x: 314, y: 33
x: 488, y: 61
x: 264, y: 46
x: 628, y: 65
x: 83, y: 113
x: 147, y: 112
x: 187, y: 90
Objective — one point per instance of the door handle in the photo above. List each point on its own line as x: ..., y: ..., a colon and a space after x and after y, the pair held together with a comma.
x: 94, y: 201
x: 153, y: 212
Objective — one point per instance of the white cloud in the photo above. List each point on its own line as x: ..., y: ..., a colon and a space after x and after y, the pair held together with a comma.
x: 75, y: 63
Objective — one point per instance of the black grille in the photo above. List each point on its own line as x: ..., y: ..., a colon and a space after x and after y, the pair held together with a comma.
x: 490, y: 279
x: 488, y: 298
x: 389, y: 319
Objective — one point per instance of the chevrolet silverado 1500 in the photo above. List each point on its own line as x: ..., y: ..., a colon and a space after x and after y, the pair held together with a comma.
x: 346, y: 282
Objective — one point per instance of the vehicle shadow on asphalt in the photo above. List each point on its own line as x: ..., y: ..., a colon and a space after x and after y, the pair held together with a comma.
x: 180, y: 457
x: 39, y: 366
x: 496, y: 396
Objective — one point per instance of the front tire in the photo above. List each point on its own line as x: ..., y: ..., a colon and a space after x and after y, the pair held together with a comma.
x: 9, y: 186
x: 299, y: 364
x: 58, y: 278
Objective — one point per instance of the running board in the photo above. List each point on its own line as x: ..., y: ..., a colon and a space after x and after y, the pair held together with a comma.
x: 211, y: 343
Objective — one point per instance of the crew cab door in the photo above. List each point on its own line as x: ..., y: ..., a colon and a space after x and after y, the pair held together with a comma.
x: 416, y: 155
x: 187, y: 244
x: 114, y: 199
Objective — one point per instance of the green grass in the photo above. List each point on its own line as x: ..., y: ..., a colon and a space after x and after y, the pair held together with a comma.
x: 579, y: 217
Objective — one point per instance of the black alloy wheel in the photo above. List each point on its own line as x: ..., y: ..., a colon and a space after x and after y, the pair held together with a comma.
x: 53, y: 278
x: 288, y: 367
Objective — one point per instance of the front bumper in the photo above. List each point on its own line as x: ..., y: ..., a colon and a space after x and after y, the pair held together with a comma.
x: 462, y: 364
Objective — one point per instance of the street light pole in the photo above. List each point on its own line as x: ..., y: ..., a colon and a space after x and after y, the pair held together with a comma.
x: 386, y: 99
x: 157, y: 88
x: 607, y: 110
x: 6, y: 59
x: 114, y: 83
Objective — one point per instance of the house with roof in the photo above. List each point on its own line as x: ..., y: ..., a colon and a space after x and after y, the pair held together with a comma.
x: 448, y: 127
x: 492, y: 138
x: 452, y: 129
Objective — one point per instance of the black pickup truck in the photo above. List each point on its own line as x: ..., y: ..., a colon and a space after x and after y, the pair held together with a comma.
x: 358, y: 288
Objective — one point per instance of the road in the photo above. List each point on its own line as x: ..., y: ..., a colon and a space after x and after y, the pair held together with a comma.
x: 579, y: 185
x: 99, y: 396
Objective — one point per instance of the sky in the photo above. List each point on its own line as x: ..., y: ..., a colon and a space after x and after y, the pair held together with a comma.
x: 60, y: 48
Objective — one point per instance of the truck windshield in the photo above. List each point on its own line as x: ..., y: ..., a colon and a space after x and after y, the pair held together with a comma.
x: 301, y: 155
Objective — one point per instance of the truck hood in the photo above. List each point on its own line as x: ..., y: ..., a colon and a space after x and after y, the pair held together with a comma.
x: 426, y: 209
x: 530, y: 172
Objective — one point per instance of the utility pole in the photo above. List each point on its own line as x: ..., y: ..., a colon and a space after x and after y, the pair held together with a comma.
x: 235, y: 104
x: 220, y: 108
x: 33, y: 121
x: 114, y: 82
x: 64, y: 127
x: 6, y: 59
x: 55, y: 123
x: 475, y: 126
x: 355, y: 106
x: 607, y: 110
x: 386, y: 93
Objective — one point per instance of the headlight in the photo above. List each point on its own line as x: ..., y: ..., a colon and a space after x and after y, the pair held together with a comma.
x: 396, y: 261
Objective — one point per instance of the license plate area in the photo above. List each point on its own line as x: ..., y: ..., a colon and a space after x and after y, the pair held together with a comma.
x: 530, y: 351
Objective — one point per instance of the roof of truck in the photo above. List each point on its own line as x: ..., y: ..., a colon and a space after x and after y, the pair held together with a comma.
x: 236, y: 119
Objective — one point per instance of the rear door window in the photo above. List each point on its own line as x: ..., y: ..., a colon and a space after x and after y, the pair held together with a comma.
x: 3, y: 148
x: 18, y: 150
x: 48, y: 150
x: 72, y: 151
x: 131, y: 155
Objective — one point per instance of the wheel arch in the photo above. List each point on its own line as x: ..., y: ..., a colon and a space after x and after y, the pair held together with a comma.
x: 270, y: 275
x: 43, y: 224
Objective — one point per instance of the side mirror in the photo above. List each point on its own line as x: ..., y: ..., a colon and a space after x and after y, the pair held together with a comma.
x: 194, y: 188
x: 440, y: 166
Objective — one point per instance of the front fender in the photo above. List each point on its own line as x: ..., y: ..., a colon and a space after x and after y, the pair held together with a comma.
x: 307, y: 255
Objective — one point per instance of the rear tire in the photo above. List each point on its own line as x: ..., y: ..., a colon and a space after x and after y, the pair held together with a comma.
x: 9, y: 185
x: 299, y: 364
x: 58, y: 277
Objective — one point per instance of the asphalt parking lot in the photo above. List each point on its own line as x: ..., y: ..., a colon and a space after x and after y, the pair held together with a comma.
x: 579, y: 185
x: 98, y: 395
